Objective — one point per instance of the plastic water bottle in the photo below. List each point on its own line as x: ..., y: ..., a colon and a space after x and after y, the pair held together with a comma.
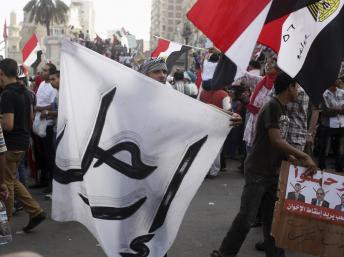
x: 5, y: 229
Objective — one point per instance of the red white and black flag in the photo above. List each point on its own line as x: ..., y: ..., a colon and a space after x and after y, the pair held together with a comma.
x: 32, y: 52
x: 233, y: 26
x: 169, y: 50
x: 310, y: 44
x: 218, y: 19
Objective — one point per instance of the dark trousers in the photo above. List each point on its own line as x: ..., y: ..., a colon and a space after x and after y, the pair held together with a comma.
x: 258, y: 191
x: 48, y: 156
x: 234, y: 139
x: 326, y: 134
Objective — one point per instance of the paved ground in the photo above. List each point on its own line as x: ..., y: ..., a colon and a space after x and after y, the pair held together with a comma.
x: 205, y: 223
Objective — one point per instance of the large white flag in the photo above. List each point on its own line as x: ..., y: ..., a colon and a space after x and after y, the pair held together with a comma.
x: 131, y: 153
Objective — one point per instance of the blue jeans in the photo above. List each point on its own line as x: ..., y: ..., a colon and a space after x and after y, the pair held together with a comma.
x: 258, y: 191
x: 21, y: 170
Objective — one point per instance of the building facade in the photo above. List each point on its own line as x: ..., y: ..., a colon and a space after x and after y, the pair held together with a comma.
x: 82, y: 16
x: 196, y: 38
x: 166, y: 17
x: 168, y: 20
x: 81, y: 13
x: 13, y: 40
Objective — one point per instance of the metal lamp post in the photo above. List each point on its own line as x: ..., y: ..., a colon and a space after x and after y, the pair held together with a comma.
x: 186, y: 35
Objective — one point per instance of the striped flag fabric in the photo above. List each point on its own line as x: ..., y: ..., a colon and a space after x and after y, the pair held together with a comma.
x: 198, y: 81
x: 169, y: 50
x: 309, y: 41
x: 32, y: 52
x: 235, y: 26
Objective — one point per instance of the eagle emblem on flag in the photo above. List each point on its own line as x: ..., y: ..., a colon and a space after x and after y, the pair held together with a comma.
x: 323, y: 9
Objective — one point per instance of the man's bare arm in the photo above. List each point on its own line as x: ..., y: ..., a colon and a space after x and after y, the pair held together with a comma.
x: 42, y: 108
x: 312, y: 126
x: 7, y: 121
x: 277, y: 141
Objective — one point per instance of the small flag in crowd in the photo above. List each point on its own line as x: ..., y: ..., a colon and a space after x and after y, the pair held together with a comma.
x: 219, y: 21
x: 124, y: 160
x: 4, y: 34
x: 32, y: 52
x: 309, y: 41
x: 169, y: 50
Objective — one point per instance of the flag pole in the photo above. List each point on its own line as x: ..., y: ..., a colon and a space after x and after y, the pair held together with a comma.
x: 6, y: 49
x: 198, y: 48
x: 44, y: 54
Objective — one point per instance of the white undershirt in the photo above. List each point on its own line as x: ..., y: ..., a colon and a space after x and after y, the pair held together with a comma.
x: 45, y: 94
x: 208, y: 70
x: 226, y: 103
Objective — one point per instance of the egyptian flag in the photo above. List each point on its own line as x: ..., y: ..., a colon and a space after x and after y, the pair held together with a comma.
x: 198, y: 81
x: 310, y: 45
x: 32, y: 52
x: 169, y: 50
x: 234, y: 27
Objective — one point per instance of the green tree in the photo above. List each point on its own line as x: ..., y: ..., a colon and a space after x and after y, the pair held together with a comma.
x: 47, y: 11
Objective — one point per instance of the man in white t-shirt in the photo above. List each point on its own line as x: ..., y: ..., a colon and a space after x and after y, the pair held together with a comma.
x: 332, y: 126
x: 45, y: 96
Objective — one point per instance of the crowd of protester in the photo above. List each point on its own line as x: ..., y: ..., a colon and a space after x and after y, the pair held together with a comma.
x: 275, y: 120
x: 29, y: 104
x: 313, y: 132
x: 111, y: 48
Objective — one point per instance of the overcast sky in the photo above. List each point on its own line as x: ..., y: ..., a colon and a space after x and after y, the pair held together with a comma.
x: 134, y: 15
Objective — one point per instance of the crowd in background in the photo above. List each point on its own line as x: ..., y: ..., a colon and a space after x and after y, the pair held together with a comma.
x: 239, y: 92
x: 111, y: 48
x: 315, y: 129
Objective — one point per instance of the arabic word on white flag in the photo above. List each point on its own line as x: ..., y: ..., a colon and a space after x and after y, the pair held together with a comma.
x: 131, y: 153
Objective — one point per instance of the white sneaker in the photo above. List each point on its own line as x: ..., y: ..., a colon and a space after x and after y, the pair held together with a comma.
x: 47, y: 197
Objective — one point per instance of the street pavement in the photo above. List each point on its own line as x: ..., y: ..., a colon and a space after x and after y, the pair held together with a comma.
x: 205, y: 224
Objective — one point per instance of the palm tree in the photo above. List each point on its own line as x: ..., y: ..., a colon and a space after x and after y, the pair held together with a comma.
x: 47, y: 11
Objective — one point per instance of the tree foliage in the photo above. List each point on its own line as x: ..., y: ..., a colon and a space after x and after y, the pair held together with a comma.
x: 47, y: 11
